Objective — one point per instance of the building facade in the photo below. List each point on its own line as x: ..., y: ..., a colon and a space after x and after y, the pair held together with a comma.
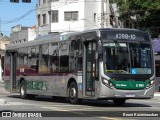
x: 21, y: 34
x: 4, y: 40
x: 71, y: 15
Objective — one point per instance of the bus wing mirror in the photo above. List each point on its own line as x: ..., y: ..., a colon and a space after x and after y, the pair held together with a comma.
x: 99, y: 50
x: 100, y: 53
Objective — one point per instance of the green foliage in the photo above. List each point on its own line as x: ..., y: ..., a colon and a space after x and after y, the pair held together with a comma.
x: 143, y: 10
x: 137, y: 7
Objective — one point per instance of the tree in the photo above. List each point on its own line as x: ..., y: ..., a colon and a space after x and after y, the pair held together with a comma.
x: 143, y: 14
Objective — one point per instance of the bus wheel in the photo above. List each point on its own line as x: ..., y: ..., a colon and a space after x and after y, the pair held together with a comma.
x: 73, y: 93
x: 23, y: 93
x: 119, y: 102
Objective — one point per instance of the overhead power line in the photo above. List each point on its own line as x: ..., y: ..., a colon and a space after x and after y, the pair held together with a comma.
x: 19, y: 18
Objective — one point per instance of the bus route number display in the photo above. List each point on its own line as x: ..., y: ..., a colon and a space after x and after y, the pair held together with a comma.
x: 125, y: 36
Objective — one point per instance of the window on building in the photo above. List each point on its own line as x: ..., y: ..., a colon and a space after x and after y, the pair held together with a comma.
x: 71, y: 16
x: 54, y: 16
x: 44, y: 19
x: 39, y: 20
x: 44, y: 1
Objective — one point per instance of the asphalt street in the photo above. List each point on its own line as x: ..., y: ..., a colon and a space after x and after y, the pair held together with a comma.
x: 89, y: 110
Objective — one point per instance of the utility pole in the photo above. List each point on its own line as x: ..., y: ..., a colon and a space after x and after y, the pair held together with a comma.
x: 102, y: 13
x: 107, y: 16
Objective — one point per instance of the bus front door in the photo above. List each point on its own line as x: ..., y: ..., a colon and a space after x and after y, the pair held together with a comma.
x: 13, y: 56
x: 89, y: 69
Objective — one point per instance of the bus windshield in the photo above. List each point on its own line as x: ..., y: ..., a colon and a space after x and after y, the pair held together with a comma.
x: 127, y: 57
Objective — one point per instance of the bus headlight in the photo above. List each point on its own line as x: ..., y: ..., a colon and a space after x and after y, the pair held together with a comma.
x: 107, y: 83
x: 150, y: 83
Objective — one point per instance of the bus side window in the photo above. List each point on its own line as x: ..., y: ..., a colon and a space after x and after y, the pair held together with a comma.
x: 79, y: 61
x: 64, y: 57
x: 53, y: 58
x: 44, y: 58
x: 33, y: 59
x: 22, y: 63
x: 72, y: 62
x: 76, y: 55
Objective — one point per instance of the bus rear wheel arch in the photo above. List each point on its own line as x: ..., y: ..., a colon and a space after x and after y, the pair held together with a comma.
x: 23, y: 93
x: 23, y: 86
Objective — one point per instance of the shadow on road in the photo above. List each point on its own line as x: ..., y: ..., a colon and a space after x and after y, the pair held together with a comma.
x: 95, y: 103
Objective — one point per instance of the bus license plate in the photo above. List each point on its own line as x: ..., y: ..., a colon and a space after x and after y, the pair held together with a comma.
x: 130, y: 95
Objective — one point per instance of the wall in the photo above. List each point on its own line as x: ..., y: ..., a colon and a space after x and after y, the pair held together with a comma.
x: 3, y: 42
x: 86, y: 18
x: 19, y: 36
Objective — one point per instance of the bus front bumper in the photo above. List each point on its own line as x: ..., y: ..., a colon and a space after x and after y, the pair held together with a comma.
x: 129, y: 94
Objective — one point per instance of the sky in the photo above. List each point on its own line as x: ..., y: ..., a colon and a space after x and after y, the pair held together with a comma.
x: 12, y: 14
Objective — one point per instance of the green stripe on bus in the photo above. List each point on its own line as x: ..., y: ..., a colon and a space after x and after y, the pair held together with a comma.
x: 129, y: 85
x: 36, y: 85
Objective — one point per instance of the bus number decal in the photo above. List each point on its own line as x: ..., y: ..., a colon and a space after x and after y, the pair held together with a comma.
x: 125, y: 36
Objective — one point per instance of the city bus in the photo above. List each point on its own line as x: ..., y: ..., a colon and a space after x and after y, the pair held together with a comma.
x: 100, y: 64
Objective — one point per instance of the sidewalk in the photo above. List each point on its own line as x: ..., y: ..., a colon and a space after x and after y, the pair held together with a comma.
x: 2, y: 90
x: 157, y: 94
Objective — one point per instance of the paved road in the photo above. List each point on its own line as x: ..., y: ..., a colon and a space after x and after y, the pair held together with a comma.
x: 89, y: 110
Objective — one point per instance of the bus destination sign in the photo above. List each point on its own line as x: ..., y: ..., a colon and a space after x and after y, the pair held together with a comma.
x: 125, y: 35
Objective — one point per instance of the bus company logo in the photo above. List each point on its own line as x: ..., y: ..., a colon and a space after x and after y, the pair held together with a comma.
x: 19, y: 114
x: 121, y: 85
x: 6, y: 114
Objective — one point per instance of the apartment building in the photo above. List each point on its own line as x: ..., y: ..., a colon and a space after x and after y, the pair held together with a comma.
x: 71, y: 15
x: 20, y: 34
